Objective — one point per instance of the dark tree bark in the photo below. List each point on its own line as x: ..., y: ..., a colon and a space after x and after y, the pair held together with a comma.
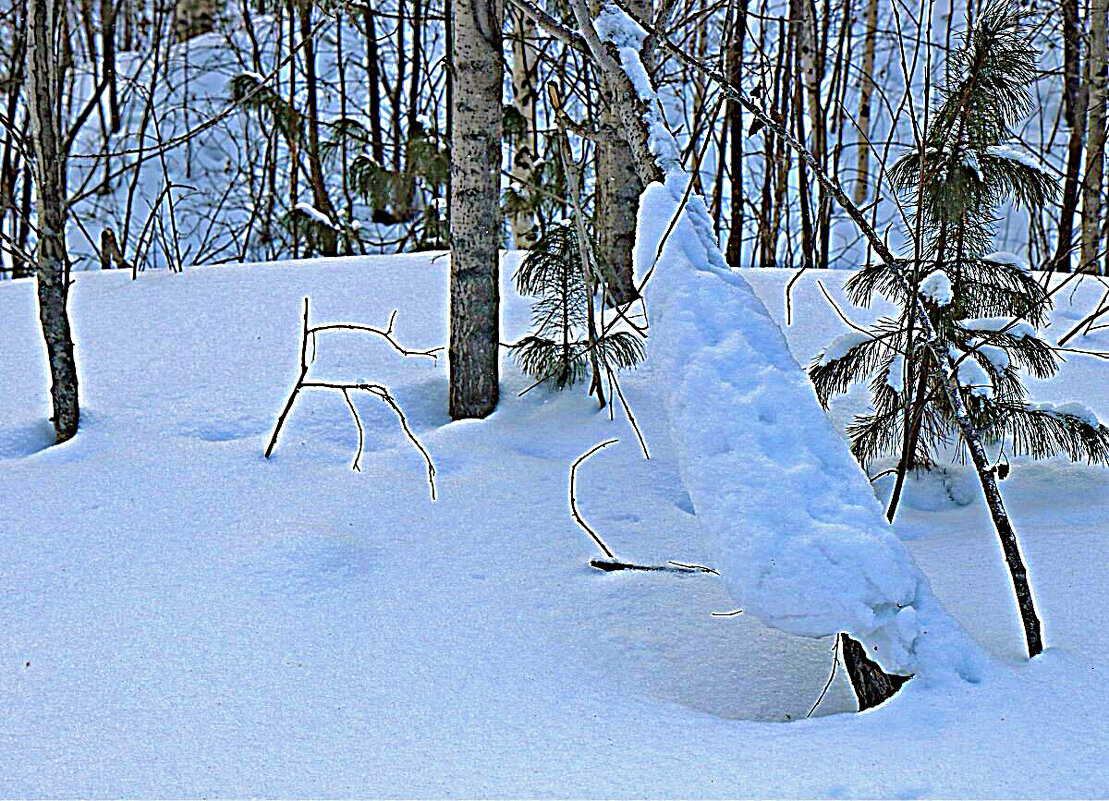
x: 734, y: 250
x: 872, y: 685
x: 477, y: 123
x: 328, y: 240
x: 1074, y: 97
x: 52, y: 273
x: 373, y: 79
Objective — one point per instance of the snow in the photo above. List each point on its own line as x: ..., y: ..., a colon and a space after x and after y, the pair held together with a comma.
x: 842, y: 345
x: 1016, y: 154
x: 1072, y: 409
x: 937, y: 288
x: 812, y: 556
x: 1017, y: 329
x: 998, y: 357
x: 1011, y: 259
x: 896, y: 375
x: 971, y: 374
x: 184, y: 618
x: 317, y: 215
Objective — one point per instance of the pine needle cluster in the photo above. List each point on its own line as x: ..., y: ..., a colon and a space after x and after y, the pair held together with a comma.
x: 558, y: 350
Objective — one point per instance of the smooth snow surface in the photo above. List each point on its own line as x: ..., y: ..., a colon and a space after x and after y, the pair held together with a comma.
x: 183, y: 618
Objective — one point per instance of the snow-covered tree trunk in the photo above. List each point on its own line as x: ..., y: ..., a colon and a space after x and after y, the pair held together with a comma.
x: 52, y: 273
x: 475, y: 206
x: 1097, y: 68
x: 524, y: 95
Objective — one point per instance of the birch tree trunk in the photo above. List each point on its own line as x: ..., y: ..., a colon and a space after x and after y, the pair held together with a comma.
x: 527, y: 147
x: 618, y: 190
x: 475, y: 207
x: 1092, y: 206
x: 52, y: 268
x: 866, y: 92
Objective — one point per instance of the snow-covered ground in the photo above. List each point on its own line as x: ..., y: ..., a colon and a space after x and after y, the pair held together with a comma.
x: 182, y: 617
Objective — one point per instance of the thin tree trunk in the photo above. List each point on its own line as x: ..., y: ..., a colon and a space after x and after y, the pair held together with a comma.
x: 52, y: 272
x: 1092, y: 200
x: 320, y: 198
x: 475, y: 207
x: 373, y: 81
x: 734, y: 250
x: 527, y: 149
x: 866, y: 93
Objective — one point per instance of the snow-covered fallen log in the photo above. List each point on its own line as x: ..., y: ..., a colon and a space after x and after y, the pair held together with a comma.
x: 803, y: 543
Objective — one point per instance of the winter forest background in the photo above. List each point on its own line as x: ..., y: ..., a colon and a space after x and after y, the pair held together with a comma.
x: 189, y: 160
x: 554, y: 397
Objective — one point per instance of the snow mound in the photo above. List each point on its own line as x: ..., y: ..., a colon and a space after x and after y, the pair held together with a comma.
x: 937, y: 287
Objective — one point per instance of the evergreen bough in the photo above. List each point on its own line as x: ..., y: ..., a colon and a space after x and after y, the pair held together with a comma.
x: 557, y: 352
x: 987, y: 308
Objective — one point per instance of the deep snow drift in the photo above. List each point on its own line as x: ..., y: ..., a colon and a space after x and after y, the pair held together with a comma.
x: 183, y: 617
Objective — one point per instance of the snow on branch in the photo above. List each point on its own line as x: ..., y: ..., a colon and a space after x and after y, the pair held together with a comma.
x: 804, y: 546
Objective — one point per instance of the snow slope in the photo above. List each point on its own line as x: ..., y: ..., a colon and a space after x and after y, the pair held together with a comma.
x: 185, y: 618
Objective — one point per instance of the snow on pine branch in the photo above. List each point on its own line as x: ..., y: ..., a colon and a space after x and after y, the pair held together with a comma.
x: 804, y: 546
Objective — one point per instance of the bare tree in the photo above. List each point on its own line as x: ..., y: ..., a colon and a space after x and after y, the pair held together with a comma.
x: 1092, y: 200
x: 618, y: 191
x: 44, y: 74
x: 475, y: 207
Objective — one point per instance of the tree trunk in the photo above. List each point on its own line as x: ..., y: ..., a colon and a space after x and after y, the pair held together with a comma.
x: 734, y: 250
x: 1092, y: 205
x: 52, y: 272
x: 527, y: 148
x: 328, y: 240
x: 871, y: 684
x: 1074, y: 105
x: 475, y: 207
x: 618, y: 190
x: 373, y: 87
x: 866, y: 92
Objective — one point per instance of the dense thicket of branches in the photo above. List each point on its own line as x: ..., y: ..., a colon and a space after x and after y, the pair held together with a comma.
x: 262, y: 129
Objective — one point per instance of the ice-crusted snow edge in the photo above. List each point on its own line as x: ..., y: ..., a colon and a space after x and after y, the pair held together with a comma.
x: 803, y: 544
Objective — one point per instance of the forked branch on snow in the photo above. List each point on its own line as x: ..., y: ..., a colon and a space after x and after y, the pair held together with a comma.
x: 379, y: 391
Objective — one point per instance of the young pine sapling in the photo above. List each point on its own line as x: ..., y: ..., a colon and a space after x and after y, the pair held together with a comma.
x: 986, y: 309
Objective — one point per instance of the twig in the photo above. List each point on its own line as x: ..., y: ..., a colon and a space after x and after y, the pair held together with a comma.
x: 379, y: 391
x: 835, y: 664
x: 573, y: 497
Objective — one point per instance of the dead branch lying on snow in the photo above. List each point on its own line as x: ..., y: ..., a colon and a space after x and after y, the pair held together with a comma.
x: 610, y: 562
